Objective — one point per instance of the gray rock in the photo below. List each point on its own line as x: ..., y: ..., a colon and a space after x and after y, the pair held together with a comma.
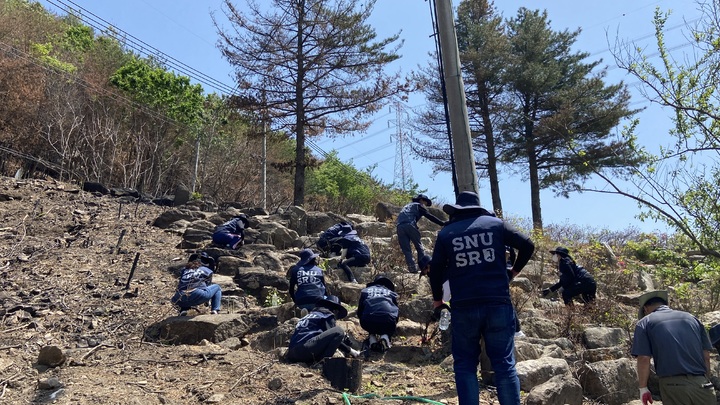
x: 613, y: 382
x: 535, y: 372
x: 375, y: 229
x: 559, y: 390
x: 540, y: 327
x: 597, y: 337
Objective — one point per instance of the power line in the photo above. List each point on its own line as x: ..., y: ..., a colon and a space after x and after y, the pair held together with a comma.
x: 143, y: 48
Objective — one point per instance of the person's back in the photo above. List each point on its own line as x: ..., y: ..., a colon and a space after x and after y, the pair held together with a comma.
x: 307, y: 281
x: 378, y: 304
x: 324, y: 242
x: 469, y: 247
x: 409, y: 214
x: 310, y: 283
x: 674, y: 339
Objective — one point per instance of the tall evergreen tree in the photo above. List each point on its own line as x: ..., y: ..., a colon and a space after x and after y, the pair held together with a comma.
x: 562, y: 113
x: 316, y: 62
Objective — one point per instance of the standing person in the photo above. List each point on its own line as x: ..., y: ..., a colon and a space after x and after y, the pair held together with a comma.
x: 354, y: 252
x: 316, y: 336
x: 574, y: 279
x: 195, y: 286
x: 231, y: 234
x: 378, y: 312
x: 680, y: 348
x: 470, y: 253
x: 307, y: 282
x: 407, y: 228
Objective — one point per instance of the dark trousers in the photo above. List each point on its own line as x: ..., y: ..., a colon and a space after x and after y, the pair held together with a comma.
x: 319, y: 347
x: 585, y: 289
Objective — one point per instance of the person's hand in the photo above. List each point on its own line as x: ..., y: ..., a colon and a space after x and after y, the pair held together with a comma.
x: 438, y: 306
x: 546, y: 292
x: 645, y: 396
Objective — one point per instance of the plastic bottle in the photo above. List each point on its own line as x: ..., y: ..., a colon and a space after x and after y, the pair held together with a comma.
x: 444, y: 322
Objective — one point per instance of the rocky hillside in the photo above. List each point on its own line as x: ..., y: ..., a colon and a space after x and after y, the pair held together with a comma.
x: 86, y: 319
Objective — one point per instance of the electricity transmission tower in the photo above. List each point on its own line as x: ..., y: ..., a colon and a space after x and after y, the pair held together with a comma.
x: 403, y: 171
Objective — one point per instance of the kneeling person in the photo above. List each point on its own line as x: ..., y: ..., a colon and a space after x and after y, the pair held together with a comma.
x: 378, y: 312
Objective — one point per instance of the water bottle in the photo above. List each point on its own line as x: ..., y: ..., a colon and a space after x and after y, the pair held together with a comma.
x: 444, y: 323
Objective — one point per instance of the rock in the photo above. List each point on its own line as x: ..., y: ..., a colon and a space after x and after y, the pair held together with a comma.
x: 277, y: 235
x: 375, y: 229
x: 49, y: 384
x: 535, y: 372
x: 192, y: 330
x: 170, y: 216
x: 386, y: 212
x: 275, y: 384
x: 559, y: 390
x: 614, y: 382
x: 540, y: 327
x: 182, y: 196
x: 51, y: 356
x: 597, y: 337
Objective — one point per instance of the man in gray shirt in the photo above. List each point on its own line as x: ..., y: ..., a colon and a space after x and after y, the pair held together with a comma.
x: 680, y: 348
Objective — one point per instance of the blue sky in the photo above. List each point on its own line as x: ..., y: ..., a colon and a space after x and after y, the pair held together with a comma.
x: 184, y: 30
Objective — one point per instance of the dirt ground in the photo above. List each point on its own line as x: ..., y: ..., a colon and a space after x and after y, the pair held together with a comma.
x: 65, y: 260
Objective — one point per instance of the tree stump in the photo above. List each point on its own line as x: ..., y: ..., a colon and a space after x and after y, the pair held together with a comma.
x: 343, y: 374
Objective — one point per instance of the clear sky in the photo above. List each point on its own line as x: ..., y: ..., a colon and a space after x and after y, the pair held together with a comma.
x: 183, y: 30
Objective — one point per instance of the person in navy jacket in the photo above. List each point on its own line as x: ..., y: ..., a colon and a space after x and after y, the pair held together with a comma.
x: 378, y: 312
x: 195, y: 285
x: 407, y: 228
x: 574, y: 280
x: 355, y: 253
x: 307, y: 282
x: 231, y: 234
x: 470, y: 253
x: 316, y: 335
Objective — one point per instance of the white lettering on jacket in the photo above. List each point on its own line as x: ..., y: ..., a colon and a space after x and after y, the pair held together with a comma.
x: 473, y: 249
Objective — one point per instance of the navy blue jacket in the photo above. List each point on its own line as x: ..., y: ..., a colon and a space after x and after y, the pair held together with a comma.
x: 194, y: 278
x: 378, y: 304
x: 310, y: 283
x: 570, y: 274
x: 470, y: 253
x: 334, y: 231
x: 316, y: 322
x: 235, y: 226
x: 354, y: 245
x: 413, y: 212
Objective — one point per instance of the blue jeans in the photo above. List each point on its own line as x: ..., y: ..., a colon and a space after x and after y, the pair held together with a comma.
x: 496, y: 324
x: 407, y: 234
x: 199, y: 296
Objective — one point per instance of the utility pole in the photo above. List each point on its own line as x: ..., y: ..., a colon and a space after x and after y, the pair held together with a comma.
x: 466, y: 173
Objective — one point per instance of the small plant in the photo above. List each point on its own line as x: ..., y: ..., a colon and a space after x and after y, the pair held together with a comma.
x: 273, y: 299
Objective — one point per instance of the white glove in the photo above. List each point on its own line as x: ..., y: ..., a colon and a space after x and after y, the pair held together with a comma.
x: 645, y: 396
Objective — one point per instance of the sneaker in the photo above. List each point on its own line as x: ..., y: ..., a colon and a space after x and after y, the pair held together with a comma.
x: 373, y: 343
x: 183, y: 312
x: 385, y: 342
x: 214, y: 312
x: 303, y: 312
x: 519, y: 334
x: 354, y: 281
x: 354, y: 353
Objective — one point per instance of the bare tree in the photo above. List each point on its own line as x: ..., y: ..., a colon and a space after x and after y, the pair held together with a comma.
x: 317, y: 64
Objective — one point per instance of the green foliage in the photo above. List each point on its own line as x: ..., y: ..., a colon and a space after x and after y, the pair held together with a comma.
x: 44, y: 53
x: 161, y: 89
x: 340, y: 186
